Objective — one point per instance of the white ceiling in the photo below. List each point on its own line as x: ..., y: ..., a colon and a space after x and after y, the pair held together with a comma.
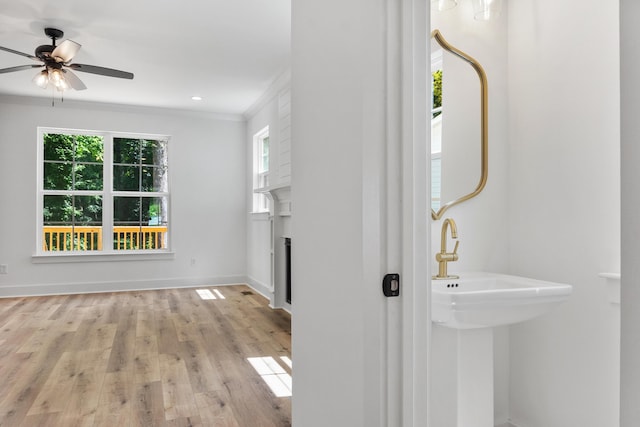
x: 226, y: 51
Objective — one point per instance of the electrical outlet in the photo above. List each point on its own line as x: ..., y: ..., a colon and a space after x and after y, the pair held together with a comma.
x: 193, y: 262
x: 4, y: 269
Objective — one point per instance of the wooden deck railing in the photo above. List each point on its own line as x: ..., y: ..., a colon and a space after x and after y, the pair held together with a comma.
x: 87, y: 238
x: 132, y: 237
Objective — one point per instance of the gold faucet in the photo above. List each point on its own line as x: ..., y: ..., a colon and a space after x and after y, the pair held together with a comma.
x: 443, y: 257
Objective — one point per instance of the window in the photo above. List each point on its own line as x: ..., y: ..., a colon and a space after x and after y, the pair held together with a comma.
x: 263, y: 162
x: 261, y: 169
x: 102, y: 192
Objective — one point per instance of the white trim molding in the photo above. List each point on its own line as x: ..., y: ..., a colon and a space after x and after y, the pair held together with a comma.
x: 262, y: 288
x: 416, y: 177
x: 72, y: 288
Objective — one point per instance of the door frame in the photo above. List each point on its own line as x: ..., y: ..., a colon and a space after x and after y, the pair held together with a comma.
x: 408, y: 187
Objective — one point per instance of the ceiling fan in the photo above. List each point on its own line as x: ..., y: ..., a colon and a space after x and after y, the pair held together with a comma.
x: 56, y: 61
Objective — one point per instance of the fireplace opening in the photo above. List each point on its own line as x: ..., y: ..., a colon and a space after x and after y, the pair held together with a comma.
x: 287, y: 257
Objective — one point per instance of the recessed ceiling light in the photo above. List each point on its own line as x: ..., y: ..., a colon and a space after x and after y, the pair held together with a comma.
x: 196, y: 98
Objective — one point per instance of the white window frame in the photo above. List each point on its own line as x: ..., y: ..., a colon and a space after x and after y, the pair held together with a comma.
x: 261, y: 202
x: 107, y: 193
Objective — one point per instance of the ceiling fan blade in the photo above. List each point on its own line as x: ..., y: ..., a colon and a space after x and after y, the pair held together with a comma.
x: 6, y: 49
x: 73, y: 80
x: 65, y: 51
x: 19, y: 68
x: 110, y: 72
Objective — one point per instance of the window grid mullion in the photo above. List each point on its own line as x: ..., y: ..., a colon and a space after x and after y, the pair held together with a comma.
x: 73, y: 197
x: 107, y: 188
x: 139, y: 189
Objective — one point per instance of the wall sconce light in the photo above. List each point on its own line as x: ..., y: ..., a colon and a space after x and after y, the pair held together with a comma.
x: 441, y: 5
x: 484, y: 10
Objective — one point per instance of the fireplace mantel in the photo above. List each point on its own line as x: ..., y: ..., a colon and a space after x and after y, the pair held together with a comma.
x: 280, y: 194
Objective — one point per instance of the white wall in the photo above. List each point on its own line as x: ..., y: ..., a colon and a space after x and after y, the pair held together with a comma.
x: 559, y: 221
x: 207, y: 172
x: 328, y: 330
x: 482, y: 235
x: 630, y: 134
x: 564, y: 207
x: 338, y: 90
x: 481, y: 221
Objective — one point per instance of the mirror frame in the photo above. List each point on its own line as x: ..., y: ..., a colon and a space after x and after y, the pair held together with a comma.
x: 484, y: 123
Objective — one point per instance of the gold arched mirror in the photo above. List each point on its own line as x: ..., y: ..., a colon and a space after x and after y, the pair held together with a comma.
x: 459, y: 126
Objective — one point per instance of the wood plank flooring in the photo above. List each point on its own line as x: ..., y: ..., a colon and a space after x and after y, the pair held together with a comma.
x: 149, y: 358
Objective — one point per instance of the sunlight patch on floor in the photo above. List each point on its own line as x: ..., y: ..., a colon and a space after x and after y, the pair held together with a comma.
x: 278, y: 380
x: 287, y: 361
x: 206, y: 294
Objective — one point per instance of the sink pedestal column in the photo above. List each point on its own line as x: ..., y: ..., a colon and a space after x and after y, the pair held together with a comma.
x: 475, y: 377
x: 462, y: 380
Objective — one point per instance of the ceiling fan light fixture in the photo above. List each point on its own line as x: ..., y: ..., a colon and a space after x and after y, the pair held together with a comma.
x: 56, y: 61
x: 42, y: 79
x: 62, y: 85
x: 56, y: 76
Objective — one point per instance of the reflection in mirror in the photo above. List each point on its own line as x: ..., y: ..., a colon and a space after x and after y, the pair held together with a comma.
x: 458, y: 126
x: 436, y: 125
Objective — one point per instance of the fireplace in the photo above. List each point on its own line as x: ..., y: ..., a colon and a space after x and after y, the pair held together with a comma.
x: 287, y: 257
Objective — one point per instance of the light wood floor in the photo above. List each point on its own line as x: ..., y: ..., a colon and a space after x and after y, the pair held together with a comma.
x: 152, y: 358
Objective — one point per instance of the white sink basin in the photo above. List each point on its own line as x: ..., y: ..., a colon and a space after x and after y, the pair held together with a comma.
x: 485, y: 300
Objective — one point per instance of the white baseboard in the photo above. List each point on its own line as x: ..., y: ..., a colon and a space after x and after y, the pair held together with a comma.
x: 265, y: 290
x: 286, y: 307
x: 507, y: 424
x: 11, y: 291
x: 261, y: 288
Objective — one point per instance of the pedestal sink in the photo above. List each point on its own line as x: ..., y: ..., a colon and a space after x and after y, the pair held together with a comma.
x: 464, y: 312
x: 484, y: 300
